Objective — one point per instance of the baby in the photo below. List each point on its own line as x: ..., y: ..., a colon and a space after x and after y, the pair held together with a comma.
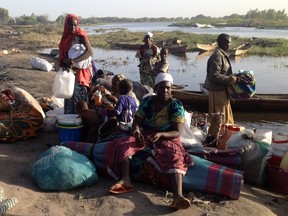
x: 91, y: 121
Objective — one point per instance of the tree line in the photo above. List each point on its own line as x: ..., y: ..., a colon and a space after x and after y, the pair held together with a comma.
x: 251, y: 18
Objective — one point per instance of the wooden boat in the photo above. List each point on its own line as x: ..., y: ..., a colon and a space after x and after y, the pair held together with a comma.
x: 199, y: 25
x: 173, y: 48
x: 237, y: 51
x: 241, y: 50
x: 196, y: 100
x: 206, y: 47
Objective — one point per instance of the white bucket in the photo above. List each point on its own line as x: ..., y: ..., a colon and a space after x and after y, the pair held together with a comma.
x: 69, y: 120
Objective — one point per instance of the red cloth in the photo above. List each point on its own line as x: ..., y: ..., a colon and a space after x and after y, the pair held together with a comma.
x: 83, y: 76
x: 168, y: 156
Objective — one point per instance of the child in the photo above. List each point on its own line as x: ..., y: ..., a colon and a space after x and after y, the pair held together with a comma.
x: 126, y: 105
x: 162, y: 66
x: 91, y: 121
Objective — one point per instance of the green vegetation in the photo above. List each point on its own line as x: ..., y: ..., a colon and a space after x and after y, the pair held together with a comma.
x: 50, y: 35
x: 253, y: 18
x: 269, y: 47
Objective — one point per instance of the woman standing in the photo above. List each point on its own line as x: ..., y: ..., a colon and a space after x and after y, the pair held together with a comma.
x: 72, y: 35
x: 148, y: 55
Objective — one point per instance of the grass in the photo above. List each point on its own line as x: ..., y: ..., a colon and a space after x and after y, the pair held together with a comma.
x: 50, y: 35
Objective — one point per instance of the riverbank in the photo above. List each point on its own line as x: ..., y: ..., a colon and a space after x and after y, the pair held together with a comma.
x: 17, y: 158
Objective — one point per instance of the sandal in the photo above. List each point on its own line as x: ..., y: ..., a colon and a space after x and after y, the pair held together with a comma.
x: 180, y: 203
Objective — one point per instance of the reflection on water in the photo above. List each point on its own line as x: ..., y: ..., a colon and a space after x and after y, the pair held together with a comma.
x: 190, y: 69
x: 164, y: 27
x: 273, y: 121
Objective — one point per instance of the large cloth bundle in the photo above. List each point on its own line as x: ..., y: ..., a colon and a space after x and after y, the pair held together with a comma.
x: 60, y: 168
x: 245, y: 88
x: 22, y: 120
x: 228, y: 157
x: 213, y: 178
x: 204, y: 176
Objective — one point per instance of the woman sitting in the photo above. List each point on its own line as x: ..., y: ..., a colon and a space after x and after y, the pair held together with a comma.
x: 157, y: 123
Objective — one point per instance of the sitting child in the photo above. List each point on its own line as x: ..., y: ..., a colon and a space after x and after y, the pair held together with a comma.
x: 126, y: 105
x: 91, y: 121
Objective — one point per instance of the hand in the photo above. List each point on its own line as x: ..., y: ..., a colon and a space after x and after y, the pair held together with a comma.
x: 241, y: 81
x: 139, y: 137
x: 155, y: 137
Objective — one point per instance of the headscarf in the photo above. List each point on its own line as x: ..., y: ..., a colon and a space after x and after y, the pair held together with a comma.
x: 149, y: 34
x: 161, y: 77
x: 67, y: 38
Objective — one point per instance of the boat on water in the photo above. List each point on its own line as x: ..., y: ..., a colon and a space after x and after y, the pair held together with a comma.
x: 173, y: 48
x: 237, y: 51
x: 240, y: 50
x: 199, y: 25
x: 196, y: 100
x: 206, y: 47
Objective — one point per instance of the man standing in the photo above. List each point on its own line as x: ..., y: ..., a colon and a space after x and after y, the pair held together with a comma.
x: 219, y: 76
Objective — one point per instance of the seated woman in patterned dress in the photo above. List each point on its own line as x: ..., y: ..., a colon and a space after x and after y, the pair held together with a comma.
x: 157, y: 123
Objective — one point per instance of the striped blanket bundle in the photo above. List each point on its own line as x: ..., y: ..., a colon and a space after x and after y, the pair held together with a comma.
x: 245, y: 88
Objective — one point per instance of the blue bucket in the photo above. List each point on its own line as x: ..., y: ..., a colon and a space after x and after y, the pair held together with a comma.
x: 70, y: 133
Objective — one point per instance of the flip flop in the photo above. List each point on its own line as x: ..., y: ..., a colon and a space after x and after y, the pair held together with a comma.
x: 180, y: 203
x: 120, y: 189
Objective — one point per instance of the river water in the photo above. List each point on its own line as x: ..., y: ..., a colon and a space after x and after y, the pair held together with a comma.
x: 189, y: 70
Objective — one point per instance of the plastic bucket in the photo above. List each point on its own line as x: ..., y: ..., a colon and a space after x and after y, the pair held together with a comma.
x: 70, y: 133
x: 69, y: 120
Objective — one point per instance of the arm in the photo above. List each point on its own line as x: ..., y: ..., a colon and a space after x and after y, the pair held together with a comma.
x: 88, y: 52
x: 219, y: 70
x: 177, y: 128
x: 136, y: 129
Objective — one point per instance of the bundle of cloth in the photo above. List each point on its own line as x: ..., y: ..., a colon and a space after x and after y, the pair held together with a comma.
x: 245, y: 88
x: 21, y: 116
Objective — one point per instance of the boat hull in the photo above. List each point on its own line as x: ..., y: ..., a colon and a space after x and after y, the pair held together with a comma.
x: 172, y: 48
x: 258, y: 103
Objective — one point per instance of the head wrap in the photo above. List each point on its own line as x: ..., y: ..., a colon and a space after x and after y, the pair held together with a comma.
x: 149, y: 34
x: 67, y: 38
x: 161, y: 77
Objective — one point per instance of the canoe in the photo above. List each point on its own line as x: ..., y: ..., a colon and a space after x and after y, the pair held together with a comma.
x: 206, y: 47
x: 237, y: 51
x: 173, y: 48
x: 241, y: 50
x: 196, y: 100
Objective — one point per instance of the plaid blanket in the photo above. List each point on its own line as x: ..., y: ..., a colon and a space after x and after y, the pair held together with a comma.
x: 204, y: 176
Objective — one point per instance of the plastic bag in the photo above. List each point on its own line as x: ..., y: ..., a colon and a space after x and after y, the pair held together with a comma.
x: 75, y: 51
x: 60, y: 168
x: 256, y: 151
x: 190, y: 136
x: 63, y: 86
x: 41, y: 64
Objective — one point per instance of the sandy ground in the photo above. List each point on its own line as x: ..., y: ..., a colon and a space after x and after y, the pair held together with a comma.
x: 16, y: 160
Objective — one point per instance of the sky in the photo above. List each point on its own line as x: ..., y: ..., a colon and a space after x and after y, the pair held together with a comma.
x: 137, y: 9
